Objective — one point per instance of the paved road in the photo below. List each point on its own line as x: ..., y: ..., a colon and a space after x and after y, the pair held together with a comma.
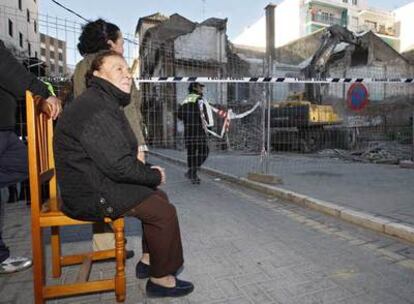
x: 384, y: 190
x: 241, y: 247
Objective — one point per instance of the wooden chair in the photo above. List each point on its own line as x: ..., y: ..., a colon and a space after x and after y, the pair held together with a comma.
x: 42, y: 172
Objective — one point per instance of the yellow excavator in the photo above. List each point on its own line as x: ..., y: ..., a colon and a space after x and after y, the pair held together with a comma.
x: 298, y: 124
x: 306, y: 114
x: 302, y: 122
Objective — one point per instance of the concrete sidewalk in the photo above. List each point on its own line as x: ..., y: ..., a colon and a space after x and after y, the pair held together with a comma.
x: 378, y: 197
x: 242, y: 247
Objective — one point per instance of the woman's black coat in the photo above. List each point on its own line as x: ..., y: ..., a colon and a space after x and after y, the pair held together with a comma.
x: 96, y: 156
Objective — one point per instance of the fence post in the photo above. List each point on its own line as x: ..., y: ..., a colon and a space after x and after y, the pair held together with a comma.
x: 269, y: 102
x: 263, y: 150
x: 412, y: 135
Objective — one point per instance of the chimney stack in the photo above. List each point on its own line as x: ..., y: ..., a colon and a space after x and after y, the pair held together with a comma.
x: 270, y: 30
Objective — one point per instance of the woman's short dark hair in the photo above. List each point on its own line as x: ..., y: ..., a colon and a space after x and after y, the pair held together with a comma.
x: 98, y: 62
x: 95, y: 36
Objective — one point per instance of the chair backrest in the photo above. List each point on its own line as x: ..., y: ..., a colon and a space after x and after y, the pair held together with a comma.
x: 42, y: 172
x: 40, y: 153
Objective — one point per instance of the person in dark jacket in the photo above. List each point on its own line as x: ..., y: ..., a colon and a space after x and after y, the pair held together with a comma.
x: 96, y: 36
x: 100, y: 174
x: 194, y: 133
x: 14, y: 81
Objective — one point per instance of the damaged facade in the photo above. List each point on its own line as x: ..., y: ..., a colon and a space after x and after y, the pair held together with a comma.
x: 388, y: 113
x: 378, y: 60
x: 177, y: 46
x: 389, y: 103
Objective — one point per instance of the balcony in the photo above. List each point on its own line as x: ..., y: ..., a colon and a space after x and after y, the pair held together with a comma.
x: 327, y: 19
x: 380, y: 30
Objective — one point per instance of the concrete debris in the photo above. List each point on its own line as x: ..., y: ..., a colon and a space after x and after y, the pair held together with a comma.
x: 376, y: 152
x: 407, y: 164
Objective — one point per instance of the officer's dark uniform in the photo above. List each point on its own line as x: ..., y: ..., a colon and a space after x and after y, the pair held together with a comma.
x: 194, y: 133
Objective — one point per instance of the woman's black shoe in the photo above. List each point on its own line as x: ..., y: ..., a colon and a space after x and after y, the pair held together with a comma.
x: 181, y: 288
x: 142, y: 270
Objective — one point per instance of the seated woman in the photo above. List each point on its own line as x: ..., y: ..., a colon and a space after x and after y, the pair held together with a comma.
x: 100, y: 175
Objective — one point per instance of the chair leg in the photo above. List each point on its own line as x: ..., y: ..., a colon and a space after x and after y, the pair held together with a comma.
x: 39, y: 279
x: 120, y: 280
x: 56, y: 252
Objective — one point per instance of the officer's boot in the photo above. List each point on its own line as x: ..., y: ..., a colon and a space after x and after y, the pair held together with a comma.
x: 194, y: 178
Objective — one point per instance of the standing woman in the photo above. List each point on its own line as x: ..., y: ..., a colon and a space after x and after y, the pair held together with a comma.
x: 97, y: 36
x: 100, y: 176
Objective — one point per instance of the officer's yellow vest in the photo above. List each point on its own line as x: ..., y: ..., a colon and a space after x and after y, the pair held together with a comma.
x: 191, y: 98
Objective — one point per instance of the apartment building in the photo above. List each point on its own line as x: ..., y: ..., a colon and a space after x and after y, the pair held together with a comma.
x: 19, y: 28
x: 404, y: 16
x: 353, y: 14
x: 53, y: 53
x: 295, y: 19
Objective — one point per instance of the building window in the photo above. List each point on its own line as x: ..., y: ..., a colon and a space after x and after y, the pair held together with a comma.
x: 35, y: 54
x: 60, y: 70
x: 42, y: 38
x: 35, y: 26
x: 20, y: 4
x: 10, y: 28
x: 60, y: 44
x: 52, y: 67
x: 327, y: 17
x: 60, y: 56
x: 354, y: 22
x: 52, y: 54
x: 371, y: 25
x: 29, y: 48
x: 21, y: 39
x: 43, y: 52
x: 28, y: 16
x: 355, y: 2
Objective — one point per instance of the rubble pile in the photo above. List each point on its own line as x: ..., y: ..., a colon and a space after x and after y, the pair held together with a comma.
x: 246, y: 139
x: 375, y: 152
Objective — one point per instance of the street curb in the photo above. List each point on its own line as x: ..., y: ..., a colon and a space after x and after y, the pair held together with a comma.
x: 360, y: 218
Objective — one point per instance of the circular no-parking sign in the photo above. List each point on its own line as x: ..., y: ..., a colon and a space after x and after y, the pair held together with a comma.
x: 357, y: 97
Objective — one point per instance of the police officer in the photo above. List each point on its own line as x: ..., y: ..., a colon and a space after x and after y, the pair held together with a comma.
x: 191, y: 111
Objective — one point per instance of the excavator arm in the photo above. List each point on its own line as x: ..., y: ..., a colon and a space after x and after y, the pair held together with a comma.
x: 317, y: 67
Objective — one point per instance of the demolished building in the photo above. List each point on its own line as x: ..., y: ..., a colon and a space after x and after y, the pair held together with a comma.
x: 387, y: 110
x: 377, y: 60
x: 176, y: 46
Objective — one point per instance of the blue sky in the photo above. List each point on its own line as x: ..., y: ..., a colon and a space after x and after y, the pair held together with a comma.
x: 125, y: 13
